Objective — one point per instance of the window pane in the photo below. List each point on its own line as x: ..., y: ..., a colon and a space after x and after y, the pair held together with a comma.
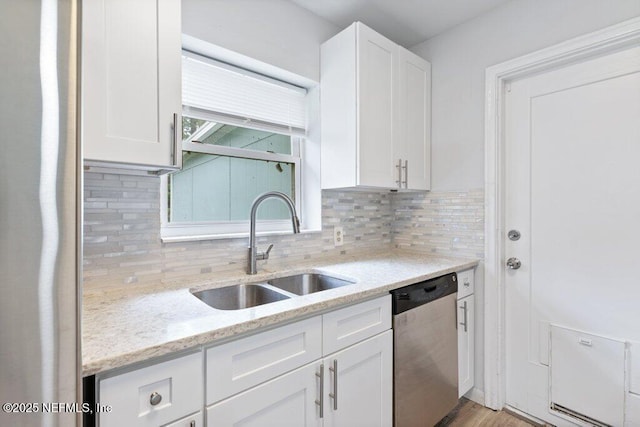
x: 209, y: 132
x: 219, y: 188
x: 190, y: 126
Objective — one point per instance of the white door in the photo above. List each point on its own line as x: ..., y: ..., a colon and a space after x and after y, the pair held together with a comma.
x: 287, y: 401
x: 573, y: 193
x: 361, y: 387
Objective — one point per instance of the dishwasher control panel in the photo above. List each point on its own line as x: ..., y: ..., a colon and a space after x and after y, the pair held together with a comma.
x: 420, y: 293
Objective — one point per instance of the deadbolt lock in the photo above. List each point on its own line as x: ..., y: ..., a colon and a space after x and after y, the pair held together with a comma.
x: 514, y: 263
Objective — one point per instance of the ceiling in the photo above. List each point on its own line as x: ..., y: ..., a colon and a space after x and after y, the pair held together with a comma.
x: 406, y: 22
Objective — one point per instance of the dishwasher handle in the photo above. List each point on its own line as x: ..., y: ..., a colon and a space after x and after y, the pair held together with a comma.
x: 412, y: 296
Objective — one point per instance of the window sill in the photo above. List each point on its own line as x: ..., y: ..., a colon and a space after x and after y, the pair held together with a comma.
x: 243, y: 235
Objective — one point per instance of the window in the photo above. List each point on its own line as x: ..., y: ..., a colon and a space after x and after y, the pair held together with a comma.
x: 243, y: 134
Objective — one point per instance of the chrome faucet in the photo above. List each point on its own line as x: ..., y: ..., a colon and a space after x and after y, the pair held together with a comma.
x: 253, y: 251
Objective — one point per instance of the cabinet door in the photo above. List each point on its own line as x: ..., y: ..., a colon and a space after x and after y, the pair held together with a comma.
x: 359, y: 392
x: 377, y: 108
x: 131, y: 80
x: 414, y: 123
x: 287, y: 401
x: 466, y: 336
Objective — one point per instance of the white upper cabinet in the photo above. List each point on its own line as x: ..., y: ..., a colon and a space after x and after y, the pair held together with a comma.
x: 131, y: 81
x: 413, y: 146
x: 375, y: 106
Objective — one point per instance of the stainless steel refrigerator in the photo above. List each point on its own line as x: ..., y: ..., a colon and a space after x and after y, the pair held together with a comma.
x: 39, y: 213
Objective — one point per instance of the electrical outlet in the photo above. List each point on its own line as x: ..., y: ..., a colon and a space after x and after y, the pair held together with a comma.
x: 338, y: 236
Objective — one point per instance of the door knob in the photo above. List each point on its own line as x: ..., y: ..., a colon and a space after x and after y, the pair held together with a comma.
x: 513, y: 263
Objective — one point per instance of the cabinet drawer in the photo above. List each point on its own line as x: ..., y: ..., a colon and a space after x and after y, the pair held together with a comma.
x: 347, y: 326
x: 241, y: 364
x: 465, y: 283
x: 194, y: 420
x: 173, y: 385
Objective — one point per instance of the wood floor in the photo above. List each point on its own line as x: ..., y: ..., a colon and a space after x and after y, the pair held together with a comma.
x: 471, y: 414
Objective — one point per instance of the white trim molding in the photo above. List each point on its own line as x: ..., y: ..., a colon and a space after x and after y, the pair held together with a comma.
x: 476, y: 395
x: 497, y: 77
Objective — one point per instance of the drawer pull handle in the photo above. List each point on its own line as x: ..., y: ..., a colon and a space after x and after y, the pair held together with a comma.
x: 192, y: 424
x: 155, y: 398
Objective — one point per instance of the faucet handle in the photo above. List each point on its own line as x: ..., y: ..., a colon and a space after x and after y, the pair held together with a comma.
x: 264, y: 255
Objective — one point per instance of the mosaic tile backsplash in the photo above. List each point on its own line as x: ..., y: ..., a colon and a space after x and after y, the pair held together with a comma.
x: 122, y: 231
x: 446, y: 223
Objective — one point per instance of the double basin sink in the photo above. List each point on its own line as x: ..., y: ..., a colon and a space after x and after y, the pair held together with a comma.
x: 241, y: 296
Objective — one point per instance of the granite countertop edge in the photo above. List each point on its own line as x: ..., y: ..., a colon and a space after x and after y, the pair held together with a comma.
x: 128, y: 326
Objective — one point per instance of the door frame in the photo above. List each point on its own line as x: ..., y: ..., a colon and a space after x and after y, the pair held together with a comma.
x: 497, y: 77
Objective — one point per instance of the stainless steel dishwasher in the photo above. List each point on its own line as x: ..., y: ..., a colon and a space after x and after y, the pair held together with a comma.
x: 425, y: 351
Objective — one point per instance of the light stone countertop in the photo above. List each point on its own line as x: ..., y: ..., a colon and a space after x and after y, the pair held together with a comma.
x: 128, y: 325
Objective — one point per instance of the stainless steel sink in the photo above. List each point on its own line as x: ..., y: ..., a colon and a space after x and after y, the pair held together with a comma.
x: 241, y: 296
x: 303, y: 284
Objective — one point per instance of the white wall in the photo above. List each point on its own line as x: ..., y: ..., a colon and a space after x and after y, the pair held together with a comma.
x: 460, y: 56
x: 276, y: 32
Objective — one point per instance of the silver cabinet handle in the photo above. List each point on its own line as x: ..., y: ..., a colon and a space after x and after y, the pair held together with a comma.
x: 464, y: 307
x: 406, y: 174
x: 155, y: 398
x: 192, y: 424
x: 320, y: 402
x: 334, y: 395
x: 177, y: 140
x: 399, y: 167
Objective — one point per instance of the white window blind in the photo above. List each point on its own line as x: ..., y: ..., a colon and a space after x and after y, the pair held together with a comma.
x: 239, y: 96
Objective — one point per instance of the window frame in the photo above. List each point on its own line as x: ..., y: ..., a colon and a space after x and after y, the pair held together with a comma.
x: 308, y: 193
x: 201, y: 230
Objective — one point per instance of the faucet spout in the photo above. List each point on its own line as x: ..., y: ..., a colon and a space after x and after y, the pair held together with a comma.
x: 295, y: 223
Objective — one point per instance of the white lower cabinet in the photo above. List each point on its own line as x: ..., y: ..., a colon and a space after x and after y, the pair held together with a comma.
x: 349, y: 384
x: 329, y: 370
x: 355, y: 390
x: 360, y: 384
x: 466, y: 332
x: 287, y: 400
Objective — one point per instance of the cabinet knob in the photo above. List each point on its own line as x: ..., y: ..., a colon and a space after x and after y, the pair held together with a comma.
x: 155, y: 398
